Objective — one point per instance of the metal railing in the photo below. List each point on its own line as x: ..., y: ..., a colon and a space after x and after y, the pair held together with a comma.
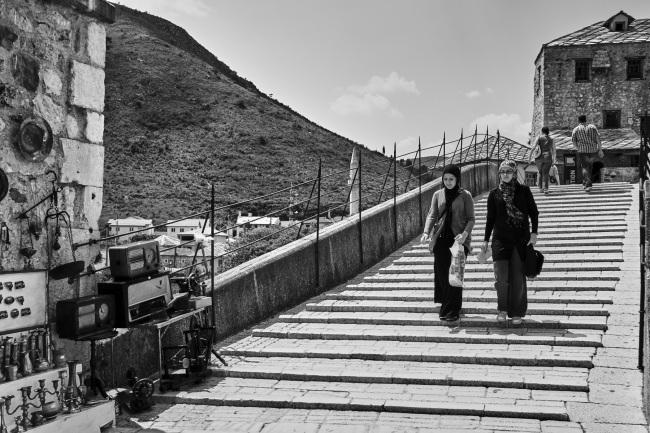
x: 407, y: 171
x: 644, y: 172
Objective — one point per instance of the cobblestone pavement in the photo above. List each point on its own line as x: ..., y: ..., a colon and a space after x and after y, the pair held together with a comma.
x: 372, y: 356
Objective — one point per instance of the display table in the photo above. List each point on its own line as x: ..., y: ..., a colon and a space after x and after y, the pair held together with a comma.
x: 161, y: 326
x: 89, y: 419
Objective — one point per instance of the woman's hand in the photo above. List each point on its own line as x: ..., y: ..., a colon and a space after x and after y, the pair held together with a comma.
x: 484, y: 247
x: 424, y: 238
x: 461, y: 238
x: 533, y: 239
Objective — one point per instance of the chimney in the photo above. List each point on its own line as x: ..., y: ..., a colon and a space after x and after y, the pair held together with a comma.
x: 239, y: 213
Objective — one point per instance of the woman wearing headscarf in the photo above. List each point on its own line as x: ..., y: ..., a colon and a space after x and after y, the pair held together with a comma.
x: 510, y: 206
x: 458, y: 223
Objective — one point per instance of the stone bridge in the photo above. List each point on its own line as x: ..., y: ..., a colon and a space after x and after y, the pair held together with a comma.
x: 371, y: 355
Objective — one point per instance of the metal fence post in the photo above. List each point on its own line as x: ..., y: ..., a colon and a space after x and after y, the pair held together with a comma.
x: 214, y: 313
x: 360, y: 210
x: 474, y: 170
x: 420, y: 178
x: 461, y: 149
x: 317, y: 276
x: 395, y: 191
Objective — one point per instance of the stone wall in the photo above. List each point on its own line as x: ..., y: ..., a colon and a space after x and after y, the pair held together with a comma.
x: 52, y: 56
x: 562, y: 99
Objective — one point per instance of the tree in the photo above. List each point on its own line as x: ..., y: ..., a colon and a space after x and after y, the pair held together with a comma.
x: 383, y: 150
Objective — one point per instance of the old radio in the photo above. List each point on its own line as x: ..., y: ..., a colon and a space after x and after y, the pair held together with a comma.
x: 84, y: 317
x: 138, y: 299
x: 134, y: 260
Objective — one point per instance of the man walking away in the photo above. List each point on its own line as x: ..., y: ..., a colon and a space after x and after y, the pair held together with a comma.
x: 586, y: 142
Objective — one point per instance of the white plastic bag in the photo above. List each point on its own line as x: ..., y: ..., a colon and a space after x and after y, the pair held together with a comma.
x: 457, y: 267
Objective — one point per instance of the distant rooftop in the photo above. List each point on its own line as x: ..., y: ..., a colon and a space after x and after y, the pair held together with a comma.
x: 632, y: 30
x: 611, y: 139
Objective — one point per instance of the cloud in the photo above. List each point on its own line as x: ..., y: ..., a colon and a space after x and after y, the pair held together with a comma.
x: 508, y: 125
x: 391, y: 84
x: 366, y: 104
x: 369, y: 98
x: 475, y: 93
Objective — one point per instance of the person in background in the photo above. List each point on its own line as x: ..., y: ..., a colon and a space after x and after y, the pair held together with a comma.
x: 510, y: 206
x: 586, y: 142
x: 545, y: 159
x: 459, y: 221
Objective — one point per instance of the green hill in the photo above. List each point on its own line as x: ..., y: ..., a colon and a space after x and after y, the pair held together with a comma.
x: 178, y: 119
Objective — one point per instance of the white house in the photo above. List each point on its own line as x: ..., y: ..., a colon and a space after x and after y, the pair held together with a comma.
x: 189, y: 225
x: 252, y: 222
x: 121, y: 226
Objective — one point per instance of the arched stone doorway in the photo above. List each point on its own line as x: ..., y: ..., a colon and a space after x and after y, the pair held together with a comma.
x: 596, y: 171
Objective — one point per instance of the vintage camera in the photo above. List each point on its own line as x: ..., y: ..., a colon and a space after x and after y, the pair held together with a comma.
x: 84, y: 317
x: 134, y: 260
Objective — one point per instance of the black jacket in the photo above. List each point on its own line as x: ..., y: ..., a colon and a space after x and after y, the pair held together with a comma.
x: 506, y: 237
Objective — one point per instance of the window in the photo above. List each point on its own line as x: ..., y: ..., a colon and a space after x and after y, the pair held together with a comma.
x: 611, y: 119
x: 634, y: 69
x: 181, y: 230
x: 619, y: 26
x: 583, y: 67
x: 130, y: 229
x: 645, y: 126
x: 173, y: 229
x: 531, y: 179
x: 634, y: 160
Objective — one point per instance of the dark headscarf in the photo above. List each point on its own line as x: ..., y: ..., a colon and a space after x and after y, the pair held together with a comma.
x: 450, y: 196
x: 506, y: 192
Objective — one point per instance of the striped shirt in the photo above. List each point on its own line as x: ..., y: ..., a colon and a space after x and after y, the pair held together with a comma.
x: 585, y: 138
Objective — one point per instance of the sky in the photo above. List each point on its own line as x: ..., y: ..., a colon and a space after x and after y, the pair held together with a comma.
x: 381, y: 72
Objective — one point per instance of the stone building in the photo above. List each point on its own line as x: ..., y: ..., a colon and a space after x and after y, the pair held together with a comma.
x: 52, y: 57
x: 601, y: 71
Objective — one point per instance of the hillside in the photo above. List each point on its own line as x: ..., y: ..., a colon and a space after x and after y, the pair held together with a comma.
x: 178, y: 119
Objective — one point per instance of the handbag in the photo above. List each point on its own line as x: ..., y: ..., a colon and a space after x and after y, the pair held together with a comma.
x: 436, y: 234
x: 534, y: 261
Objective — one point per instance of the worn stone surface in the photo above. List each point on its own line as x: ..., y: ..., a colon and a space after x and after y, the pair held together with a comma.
x: 72, y: 127
x: 45, y: 107
x: 52, y: 82
x: 80, y: 163
x: 95, y: 127
x: 87, y: 86
x: 96, y: 44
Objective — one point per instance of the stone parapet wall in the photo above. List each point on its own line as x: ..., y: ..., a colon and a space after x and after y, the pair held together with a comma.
x: 268, y: 284
x: 52, y: 57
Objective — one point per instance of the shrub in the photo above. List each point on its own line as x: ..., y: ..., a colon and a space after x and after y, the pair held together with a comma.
x: 241, y: 104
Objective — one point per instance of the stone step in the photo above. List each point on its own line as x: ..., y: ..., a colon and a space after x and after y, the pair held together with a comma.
x: 544, y: 297
x: 583, y: 221
x: 550, y: 257
x: 366, y: 305
x: 432, y: 334
x: 430, y: 319
x: 312, y: 373
x: 548, y: 211
x: 234, y: 418
x: 425, y: 282
x: 576, y: 232
x: 488, y: 275
x: 358, y: 397
x: 423, y: 251
x: 461, y: 353
x: 556, y: 267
